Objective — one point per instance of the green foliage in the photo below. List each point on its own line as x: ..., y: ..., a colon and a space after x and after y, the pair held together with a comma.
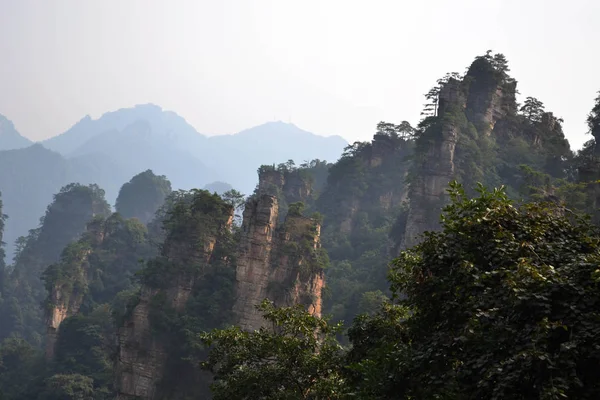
x: 70, y: 387
x: 236, y: 200
x: 85, y: 346
x: 593, y: 121
x: 503, y: 304
x: 296, y: 209
x: 360, y: 205
x: 21, y: 366
x: 192, y: 223
x: 142, y: 196
x: 430, y: 109
x: 193, y: 220
x: 297, y: 357
x: 291, y: 184
x: 101, y: 264
x: 532, y: 109
x: 3, y: 218
x: 66, y: 218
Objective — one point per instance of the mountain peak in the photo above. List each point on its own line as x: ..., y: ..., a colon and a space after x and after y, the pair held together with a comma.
x: 150, y: 115
x: 10, y: 138
x: 147, y: 106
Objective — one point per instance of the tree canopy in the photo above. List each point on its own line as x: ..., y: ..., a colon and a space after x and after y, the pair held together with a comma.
x: 502, y: 302
x: 142, y: 196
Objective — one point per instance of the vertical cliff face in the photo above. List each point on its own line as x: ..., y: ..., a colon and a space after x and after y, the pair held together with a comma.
x: 65, y: 220
x: 85, y: 270
x: 368, y: 180
x: 468, y: 111
x: 66, y: 293
x: 427, y: 191
x: 196, y: 229
x: 297, y: 269
x: 2, y: 254
x: 254, y: 257
x: 141, y: 359
x: 288, y: 184
x: 65, y: 300
x: 281, y: 263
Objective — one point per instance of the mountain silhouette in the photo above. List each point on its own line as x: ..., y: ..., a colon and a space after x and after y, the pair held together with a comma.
x: 10, y: 139
x: 112, y: 149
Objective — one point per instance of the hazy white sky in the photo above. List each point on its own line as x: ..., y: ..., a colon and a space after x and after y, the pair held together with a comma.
x: 332, y: 67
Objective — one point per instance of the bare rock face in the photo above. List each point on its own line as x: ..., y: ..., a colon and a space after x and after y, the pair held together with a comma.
x: 254, y: 257
x: 297, y: 277
x: 140, y: 358
x: 279, y: 263
x: 428, y: 191
x: 290, y: 184
x: 296, y: 188
x: 270, y: 180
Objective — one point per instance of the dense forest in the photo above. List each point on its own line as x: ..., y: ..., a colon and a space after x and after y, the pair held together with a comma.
x: 456, y: 258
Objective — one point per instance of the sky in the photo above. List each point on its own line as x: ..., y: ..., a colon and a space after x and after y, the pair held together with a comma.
x: 332, y: 67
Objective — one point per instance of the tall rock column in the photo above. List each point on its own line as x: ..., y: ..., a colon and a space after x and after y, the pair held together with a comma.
x: 283, y: 264
x: 187, y: 253
x: 427, y: 192
x: 254, y: 258
x: 483, y: 97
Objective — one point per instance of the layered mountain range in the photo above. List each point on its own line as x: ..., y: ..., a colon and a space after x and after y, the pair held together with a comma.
x: 317, y: 234
x: 110, y: 150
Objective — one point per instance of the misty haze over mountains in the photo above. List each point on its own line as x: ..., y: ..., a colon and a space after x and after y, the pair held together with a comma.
x: 110, y: 150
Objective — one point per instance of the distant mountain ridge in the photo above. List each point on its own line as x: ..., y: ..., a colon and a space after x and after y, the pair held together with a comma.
x: 10, y: 139
x: 87, y: 128
x: 110, y: 150
x: 129, y: 135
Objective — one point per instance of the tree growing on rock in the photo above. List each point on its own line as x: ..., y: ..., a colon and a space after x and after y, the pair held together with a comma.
x: 593, y: 121
x: 533, y: 109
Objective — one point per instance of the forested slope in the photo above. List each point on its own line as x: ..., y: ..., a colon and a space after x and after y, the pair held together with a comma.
x: 498, y: 300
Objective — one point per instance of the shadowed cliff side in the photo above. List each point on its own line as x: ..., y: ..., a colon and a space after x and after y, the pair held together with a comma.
x: 478, y: 134
x: 93, y: 272
x: 65, y: 220
x: 198, y: 236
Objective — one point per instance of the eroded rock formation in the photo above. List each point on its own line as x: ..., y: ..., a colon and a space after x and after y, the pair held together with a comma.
x: 281, y: 263
x: 477, y: 102
x: 187, y: 253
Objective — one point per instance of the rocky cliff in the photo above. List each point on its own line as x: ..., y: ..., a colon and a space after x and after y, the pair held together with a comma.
x: 65, y: 300
x: 468, y: 110
x: 2, y: 219
x: 92, y: 269
x: 198, y: 228
x: 283, y: 263
x: 65, y: 220
x: 288, y: 184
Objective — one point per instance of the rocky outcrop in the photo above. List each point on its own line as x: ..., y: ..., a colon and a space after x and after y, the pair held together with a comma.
x: 293, y: 185
x: 141, y: 358
x: 142, y: 354
x: 2, y: 254
x: 70, y: 283
x: 63, y: 302
x: 254, y: 257
x: 428, y: 190
x: 279, y: 263
x: 482, y: 98
x: 297, y: 275
x: 297, y: 187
